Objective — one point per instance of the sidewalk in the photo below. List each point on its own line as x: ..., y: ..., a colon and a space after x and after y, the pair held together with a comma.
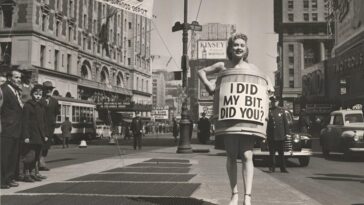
x: 209, y: 170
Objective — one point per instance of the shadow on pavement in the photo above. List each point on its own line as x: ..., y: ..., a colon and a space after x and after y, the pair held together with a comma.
x: 339, y: 177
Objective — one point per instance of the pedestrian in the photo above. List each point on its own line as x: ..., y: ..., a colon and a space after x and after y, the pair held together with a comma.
x: 277, y: 131
x: 52, y: 110
x: 204, y: 126
x: 175, y: 129
x: 34, y: 134
x: 236, y: 145
x: 304, y: 121
x: 66, y: 128
x: 11, y: 123
x: 127, y: 131
x: 137, y: 129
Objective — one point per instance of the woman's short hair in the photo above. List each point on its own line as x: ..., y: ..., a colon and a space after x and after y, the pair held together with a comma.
x: 231, y: 44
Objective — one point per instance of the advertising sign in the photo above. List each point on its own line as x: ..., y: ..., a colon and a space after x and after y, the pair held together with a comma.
x: 160, y: 114
x: 140, y: 7
x: 206, y: 108
x: 211, y: 49
x: 243, y: 101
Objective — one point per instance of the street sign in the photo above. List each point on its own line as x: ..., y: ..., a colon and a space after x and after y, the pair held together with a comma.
x: 177, y: 26
x: 194, y: 26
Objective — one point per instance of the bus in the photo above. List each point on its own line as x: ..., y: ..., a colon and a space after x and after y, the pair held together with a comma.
x: 82, y: 115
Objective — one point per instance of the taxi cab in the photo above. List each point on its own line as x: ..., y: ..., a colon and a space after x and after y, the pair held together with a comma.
x: 344, y: 133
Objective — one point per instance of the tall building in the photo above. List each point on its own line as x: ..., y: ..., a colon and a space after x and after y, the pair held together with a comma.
x: 345, y: 70
x: 89, y: 49
x: 207, y: 47
x: 159, y: 88
x: 304, y: 40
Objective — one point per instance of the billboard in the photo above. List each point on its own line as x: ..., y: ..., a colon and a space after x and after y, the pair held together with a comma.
x: 139, y: 7
x: 211, y: 49
x: 160, y: 114
x: 206, y: 107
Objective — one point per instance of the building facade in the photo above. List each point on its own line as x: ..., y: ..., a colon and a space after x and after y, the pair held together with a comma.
x: 305, y: 39
x: 159, y: 88
x: 88, y: 49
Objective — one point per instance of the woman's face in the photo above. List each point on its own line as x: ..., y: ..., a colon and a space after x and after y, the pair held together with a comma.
x: 239, y: 48
x: 37, y: 95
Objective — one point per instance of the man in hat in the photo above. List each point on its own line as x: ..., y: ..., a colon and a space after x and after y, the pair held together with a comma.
x: 51, y: 111
x: 12, y: 114
x: 277, y: 130
x: 203, y: 126
x: 137, y: 129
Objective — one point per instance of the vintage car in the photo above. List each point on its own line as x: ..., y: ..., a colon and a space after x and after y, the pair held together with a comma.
x: 297, y: 145
x: 344, y: 133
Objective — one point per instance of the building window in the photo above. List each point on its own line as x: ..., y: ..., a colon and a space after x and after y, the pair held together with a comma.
x: 305, y: 4
x: 7, y: 11
x: 137, y: 83
x: 70, y: 33
x: 291, y: 60
x: 129, y: 25
x: 129, y: 43
x: 291, y: 72
x: 147, y: 86
x: 44, y: 22
x: 290, y: 4
x: 129, y: 61
x: 290, y: 17
x: 291, y: 48
x: 291, y: 83
x: 85, y: 21
x: 57, y: 28
x: 314, y: 4
x: 69, y: 60
x: 306, y: 17
x: 56, y: 56
x: 314, y: 16
x: 42, y: 55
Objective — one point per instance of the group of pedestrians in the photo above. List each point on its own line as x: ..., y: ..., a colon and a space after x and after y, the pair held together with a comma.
x: 27, y: 125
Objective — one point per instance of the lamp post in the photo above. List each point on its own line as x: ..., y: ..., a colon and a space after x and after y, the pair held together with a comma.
x: 184, y: 145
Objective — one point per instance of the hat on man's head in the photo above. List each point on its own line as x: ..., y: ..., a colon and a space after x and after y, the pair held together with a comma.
x: 48, y: 85
x: 273, y: 98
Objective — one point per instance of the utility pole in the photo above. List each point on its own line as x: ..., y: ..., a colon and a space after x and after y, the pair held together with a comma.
x: 184, y: 145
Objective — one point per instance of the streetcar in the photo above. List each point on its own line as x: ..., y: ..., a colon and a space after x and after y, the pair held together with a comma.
x: 82, y: 115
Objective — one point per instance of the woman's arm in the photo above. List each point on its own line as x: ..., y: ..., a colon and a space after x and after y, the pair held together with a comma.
x: 202, y: 73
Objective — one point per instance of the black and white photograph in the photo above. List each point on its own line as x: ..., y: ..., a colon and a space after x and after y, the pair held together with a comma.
x: 182, y: 102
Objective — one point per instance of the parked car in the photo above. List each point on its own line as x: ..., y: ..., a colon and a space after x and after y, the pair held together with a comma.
x: 297, y: 145
x: 344, y: 133
x: 103, y: 131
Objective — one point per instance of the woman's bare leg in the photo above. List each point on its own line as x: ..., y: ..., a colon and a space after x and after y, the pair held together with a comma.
x: 232, y: 173
x: 248, y: 173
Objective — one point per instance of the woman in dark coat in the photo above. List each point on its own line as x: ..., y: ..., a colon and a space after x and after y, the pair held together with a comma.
x: 175, y: 129
x: 34, y: 130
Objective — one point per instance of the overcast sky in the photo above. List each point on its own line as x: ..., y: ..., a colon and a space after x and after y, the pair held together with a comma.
x: 252, y: 17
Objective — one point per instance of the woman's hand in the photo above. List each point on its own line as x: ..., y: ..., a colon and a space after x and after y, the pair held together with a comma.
x: 26, y: 140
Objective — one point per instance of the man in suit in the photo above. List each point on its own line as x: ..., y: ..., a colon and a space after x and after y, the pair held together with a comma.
x: 51, y: 111
x: 204, y: 127
x: 66, y: 128
x: 277, y: 130
x: 137, y: 129
x: 11, y: 113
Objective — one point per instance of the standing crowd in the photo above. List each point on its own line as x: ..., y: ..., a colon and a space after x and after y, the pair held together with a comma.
x: 28, y: 119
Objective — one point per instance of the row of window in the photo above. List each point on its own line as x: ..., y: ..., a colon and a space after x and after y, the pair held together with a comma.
x: 306, y: 4
x: 306, y: 17
x: 144, y: 86
x: 59, y: 59
x: 79, y: 114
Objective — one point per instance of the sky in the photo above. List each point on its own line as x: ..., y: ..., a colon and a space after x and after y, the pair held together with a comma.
x: 252, y: 17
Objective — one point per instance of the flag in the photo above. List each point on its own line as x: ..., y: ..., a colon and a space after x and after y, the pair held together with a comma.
x: 104, y: 30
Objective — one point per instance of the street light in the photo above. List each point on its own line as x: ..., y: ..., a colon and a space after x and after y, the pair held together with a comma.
x: 184, y: 145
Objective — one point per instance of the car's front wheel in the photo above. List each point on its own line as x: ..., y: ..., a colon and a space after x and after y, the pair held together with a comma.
x: 304, y: 161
